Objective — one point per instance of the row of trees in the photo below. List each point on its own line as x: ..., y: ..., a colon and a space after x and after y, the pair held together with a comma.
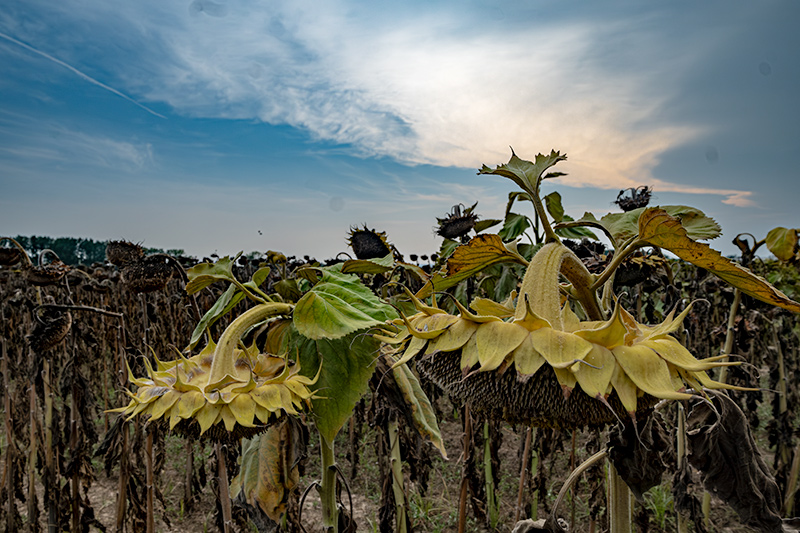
x: 76, y: 250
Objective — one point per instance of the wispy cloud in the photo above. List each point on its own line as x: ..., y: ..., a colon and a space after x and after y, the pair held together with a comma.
x: 77, y: 72
x: 43, y: 143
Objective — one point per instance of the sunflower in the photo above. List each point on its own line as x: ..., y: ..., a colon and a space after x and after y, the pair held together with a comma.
x: 618, y: 363
x: 223, y: 386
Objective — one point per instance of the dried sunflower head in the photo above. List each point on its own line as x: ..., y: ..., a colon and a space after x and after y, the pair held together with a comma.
x: 457, y: 223
x: 223, y: 393
x: 617, y: 364
x: 9, y: 256
x: 122, y: 252
x: 50, y: 328
x: 368, y: 243
x: 148, y: 274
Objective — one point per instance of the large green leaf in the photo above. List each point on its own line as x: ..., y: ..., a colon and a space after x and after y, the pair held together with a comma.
x: 527, y: 174
x: 782, y: 242
x: 347, y: 365
x: 468, y: 259
x: 270, y: 469
x: 698, y: 226
x: 483, y: 225
x: 204, y: 274
x: 659, y: 228
x: 337, y: 306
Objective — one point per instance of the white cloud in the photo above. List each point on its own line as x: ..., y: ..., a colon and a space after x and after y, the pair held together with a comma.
x: 433, y: 85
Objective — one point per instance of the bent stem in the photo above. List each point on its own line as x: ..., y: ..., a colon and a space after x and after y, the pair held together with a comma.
x: 574, y: 475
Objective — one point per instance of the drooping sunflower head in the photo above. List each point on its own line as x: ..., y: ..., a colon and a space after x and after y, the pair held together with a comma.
x: 265, y: 388
x: 368, y: 243
x: 534, y: 361
x: 458, y: 223
x: 223, y: 393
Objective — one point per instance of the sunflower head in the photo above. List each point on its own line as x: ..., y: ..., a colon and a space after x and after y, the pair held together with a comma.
x: 224, y: 392
x: 120, y: 253
x: 458, y: 223
x: 147, y: 274
x: 531, y: 359
x: 368, y: 243
x: 177, y: 393
x: 9, y: 256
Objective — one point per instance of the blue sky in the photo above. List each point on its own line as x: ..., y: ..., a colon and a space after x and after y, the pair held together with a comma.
x: 226, y: 126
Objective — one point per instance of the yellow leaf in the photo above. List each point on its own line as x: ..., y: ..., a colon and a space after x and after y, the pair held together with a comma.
x: 658, y: 228
x: 782, y: 242
x: 468, y: 259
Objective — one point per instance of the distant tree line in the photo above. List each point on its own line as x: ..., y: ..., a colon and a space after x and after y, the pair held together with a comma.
x: 74, y: 251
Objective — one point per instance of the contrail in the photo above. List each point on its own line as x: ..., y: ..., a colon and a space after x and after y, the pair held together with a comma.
x: 79, y: 73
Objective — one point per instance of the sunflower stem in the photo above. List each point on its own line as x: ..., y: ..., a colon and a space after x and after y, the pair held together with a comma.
x: 224, y: 491
x: 523, y: 471
x: 327, y: 490
x: 619, y: 503
x: 396, y: 462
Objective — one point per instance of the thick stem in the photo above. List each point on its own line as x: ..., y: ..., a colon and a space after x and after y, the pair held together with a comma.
x: 729, y: 334
x: 401, y: 524
x: 541, y: 289
x: 187, y: 480
x: 791, y: 485
x: 327, y: 490
x: 619, y: 503
x: 124, y: 464
x: 73, y: 444
x: 492, y: 506
x: 32, y: 511
x: 224, y: 491
x: 150, y: 482
x: 50, y: 480
x: 464, y: 493
x: 523, y: 472
x: 11, y: 507
x: 223, y: 367
x: 680, y: 451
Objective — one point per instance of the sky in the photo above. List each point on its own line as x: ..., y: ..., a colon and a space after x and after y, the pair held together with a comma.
x: 223, y: 126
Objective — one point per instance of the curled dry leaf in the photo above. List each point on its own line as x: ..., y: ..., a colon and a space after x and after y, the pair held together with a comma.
x: 638, y: 457
x: 722, y: 447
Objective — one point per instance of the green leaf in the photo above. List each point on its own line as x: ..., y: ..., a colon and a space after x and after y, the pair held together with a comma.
x: 515, y: 225
x: 574, y: 232
x: 204, y: 274
x: 468, y: 259
x: 485, y: 224
x: 369, y: 266
x: 782, y: 242
x: 269, y: 469
x: 422, y: 412
x: 447, y: 248
x: 659, y: 228
x: 258, y: 278
x: 288, y: 290
x: 526, y: 174
x: 698, y: 226
x: 337, y: 306
x: 347, y: 365
x: 553, y: 203
x: 221, y: 307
